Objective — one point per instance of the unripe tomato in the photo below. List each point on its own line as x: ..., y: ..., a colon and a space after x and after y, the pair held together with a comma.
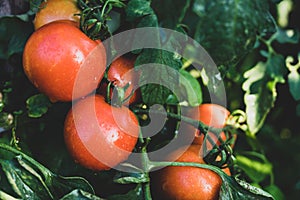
x: 212, y: 115
x: 121, y: 74
x: 54, y: 10
x: 59, y: 59
x: 98, y: 135
x: 186, y: 183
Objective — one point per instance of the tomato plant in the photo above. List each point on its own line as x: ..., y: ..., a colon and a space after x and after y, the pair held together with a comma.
x: 55, y: 54
x: 60, y: 139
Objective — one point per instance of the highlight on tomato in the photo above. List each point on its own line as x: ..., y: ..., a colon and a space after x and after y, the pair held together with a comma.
x: 100, y: 136
x: 61, y: 60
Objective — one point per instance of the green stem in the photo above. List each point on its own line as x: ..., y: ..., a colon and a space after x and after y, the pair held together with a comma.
x: 197, y: 124
x: 184, y: 10
x: 155, y: 164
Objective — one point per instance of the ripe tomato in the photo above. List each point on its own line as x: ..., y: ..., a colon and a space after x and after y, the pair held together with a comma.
x: 98, y: 135
x: 59, y: 59
x: 121, y: 73
x: 186, y: 183
x: 212, y: 115
x: 54, y: 10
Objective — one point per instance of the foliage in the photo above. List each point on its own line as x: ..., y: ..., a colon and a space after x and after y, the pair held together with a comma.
x: 259, y: 61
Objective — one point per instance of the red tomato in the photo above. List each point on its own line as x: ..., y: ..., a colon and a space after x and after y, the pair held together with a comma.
x: 121, y: 73
x: 186, y: 183
x: 98, y: 135
x: 212, y: 115
x: 59, y: 59
x: 54, y: 10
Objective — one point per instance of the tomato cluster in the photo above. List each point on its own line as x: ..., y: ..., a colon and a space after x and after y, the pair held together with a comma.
x: 66, y: 65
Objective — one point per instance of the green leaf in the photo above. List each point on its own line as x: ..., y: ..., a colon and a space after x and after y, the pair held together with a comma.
x: 29, y: 178
x: 191, y: 87
x: 4, y: 195
x: 287, y: 36
x: 238, y: 189
x: 22, y: 183
x: 294, y: 84
x: 228, y: 29
x: 275, y: 191
x: 255, y: 165
x: 129, y: 178
x: 13, y: 35
x: 79, y: 194
x: 260, y: 88
x: 138, y: 8
x: 165, y: 75
x: 37, y: 105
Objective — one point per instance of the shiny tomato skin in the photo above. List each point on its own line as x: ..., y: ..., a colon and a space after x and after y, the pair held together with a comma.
x: 55, y: 10
x: 55, y: 54
x: 120, y: 73
x: 98, y: 135
x: 186, y: 183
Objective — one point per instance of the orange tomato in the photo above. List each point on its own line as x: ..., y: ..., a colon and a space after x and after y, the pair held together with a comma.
x: 61, y: 60
x: 186, y: 183
x: 54, y: 10
x: 98, y: 135
x: 212, y: 115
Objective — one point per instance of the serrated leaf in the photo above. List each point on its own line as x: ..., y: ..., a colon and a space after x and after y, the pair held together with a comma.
x: 37, y: 105
x: 79, y: 194
x: 294, y: 84
x: 228, y: 29
x: 191, y: 87
x: 260, y: 88
x: 163, y: 72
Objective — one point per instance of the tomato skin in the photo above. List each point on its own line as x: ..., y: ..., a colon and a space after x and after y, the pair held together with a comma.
x: 120, y: 73
x: 93, y: 136
x: 55, y: 10
x: 212, y: 115
x: 186, y: 183
x: 53, y: 57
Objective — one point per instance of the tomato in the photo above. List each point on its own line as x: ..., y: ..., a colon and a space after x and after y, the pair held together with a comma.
x: 121, y: 74
x: 59, y: 59
x: 212, y: 115
x: 54, y: 10
x: 98, y: 135
x: 186, y: 183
